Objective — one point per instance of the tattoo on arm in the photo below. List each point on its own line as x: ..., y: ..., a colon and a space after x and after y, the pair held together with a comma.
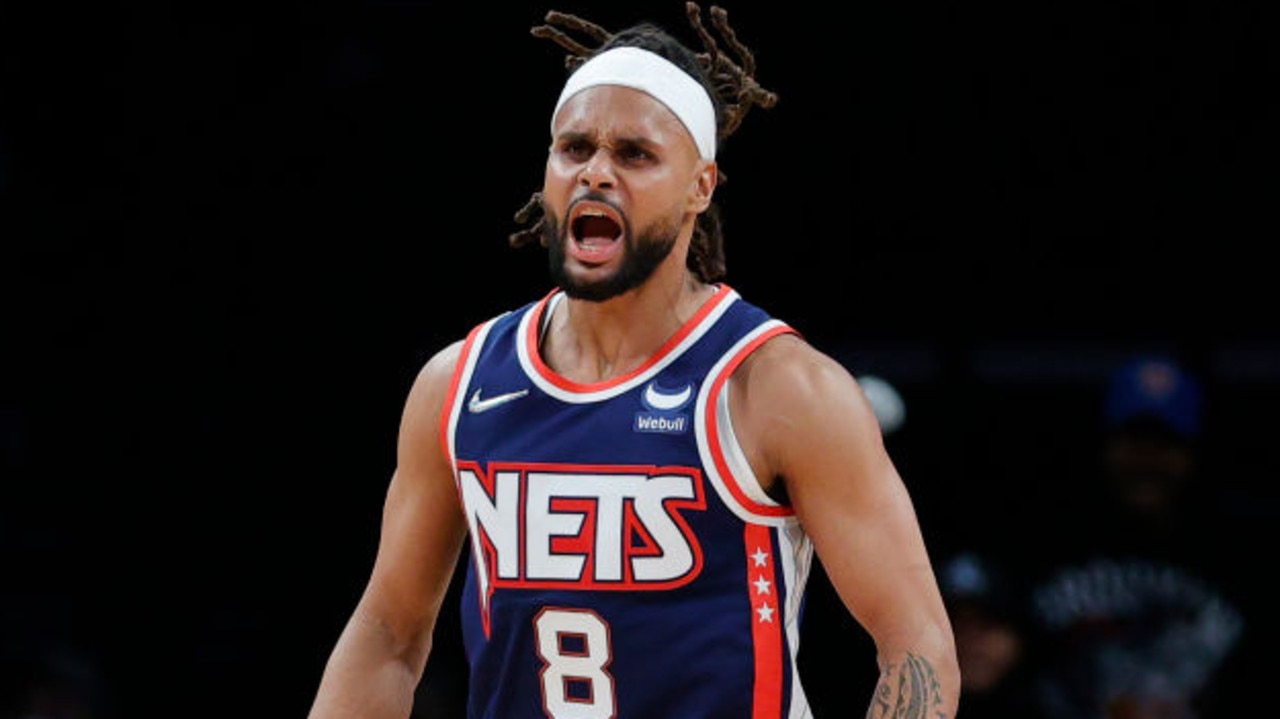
x: 909, y: 690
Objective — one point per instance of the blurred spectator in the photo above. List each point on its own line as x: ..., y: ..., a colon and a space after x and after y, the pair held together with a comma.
x: 988, y: 605
x: 1138, y: 611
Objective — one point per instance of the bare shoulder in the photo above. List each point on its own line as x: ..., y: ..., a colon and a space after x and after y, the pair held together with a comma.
x: 429, y: 393
x: 436, y: 374
x: 794, y: 406
x: 788, y: 373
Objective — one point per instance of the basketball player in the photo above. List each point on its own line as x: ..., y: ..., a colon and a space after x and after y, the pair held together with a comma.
x: 642, y: 461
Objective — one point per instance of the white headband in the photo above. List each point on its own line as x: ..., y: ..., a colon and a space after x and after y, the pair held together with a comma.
x: 651, y: 73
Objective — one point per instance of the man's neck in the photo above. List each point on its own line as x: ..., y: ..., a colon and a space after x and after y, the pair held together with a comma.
x: 591, y: 342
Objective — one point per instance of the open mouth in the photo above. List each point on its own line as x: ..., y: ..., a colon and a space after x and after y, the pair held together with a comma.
x: 594, y: 230
x: 592, y: 225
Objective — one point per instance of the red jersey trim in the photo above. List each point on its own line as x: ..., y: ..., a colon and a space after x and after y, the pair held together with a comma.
x: 449, y: 410
x: 533, y: 330
x: 714, y: 441
x: 766, y: 622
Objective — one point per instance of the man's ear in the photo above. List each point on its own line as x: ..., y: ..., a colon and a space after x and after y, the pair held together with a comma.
x: 705, y: 186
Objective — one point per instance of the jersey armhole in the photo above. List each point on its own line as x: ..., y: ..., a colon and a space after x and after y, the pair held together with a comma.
x: 722, y: 455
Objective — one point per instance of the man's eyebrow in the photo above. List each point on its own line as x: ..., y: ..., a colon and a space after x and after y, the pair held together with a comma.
x: 644, y: 143
x: 640, y: 141
x: 572, y: 136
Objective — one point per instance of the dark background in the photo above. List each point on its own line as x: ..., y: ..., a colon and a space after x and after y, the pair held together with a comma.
x: 232, y: 234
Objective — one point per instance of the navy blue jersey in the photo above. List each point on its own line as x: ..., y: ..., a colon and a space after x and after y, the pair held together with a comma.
x: 625, y: 560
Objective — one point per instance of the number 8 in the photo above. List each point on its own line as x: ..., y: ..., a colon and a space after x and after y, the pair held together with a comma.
x: 573, y: 645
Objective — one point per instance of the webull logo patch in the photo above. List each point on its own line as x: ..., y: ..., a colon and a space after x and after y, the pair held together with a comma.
x: 646, y: 422
x: 663, y: 407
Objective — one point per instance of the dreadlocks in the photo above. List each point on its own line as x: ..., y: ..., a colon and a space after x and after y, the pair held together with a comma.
x: 732, y: 87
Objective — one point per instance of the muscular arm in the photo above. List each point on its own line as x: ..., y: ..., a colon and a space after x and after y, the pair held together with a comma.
x: 379, y: 658
x: 805, y: 421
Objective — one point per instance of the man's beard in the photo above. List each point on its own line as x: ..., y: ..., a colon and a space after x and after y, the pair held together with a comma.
x: 640, y: 257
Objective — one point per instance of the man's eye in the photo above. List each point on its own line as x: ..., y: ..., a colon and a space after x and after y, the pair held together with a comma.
x: 633, y: 153
x: 577, y: 149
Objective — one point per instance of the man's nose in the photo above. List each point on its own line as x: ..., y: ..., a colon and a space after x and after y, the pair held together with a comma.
x: 598, y: 171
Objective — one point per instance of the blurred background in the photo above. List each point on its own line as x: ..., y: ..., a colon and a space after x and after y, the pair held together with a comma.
x: 232, y: 233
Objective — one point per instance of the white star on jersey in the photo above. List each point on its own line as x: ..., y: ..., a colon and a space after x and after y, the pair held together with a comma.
x: 762, y: 585
x: 766, y: 613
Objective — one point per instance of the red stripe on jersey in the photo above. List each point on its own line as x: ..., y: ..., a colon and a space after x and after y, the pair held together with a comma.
x: 532, y: 336
x: 447, y: 410
x: 713, y: 428
x: 766, y: 622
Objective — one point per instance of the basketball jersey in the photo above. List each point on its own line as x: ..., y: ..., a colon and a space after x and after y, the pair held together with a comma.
x: 625, y: 561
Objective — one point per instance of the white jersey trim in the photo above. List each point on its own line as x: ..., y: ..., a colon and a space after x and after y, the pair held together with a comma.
x: 612, y: 390
x: 795, y: 551
x: 472, y: 357
x: 740, y: 474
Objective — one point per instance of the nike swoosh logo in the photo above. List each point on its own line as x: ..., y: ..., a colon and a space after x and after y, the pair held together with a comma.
x: 662, y: 401
x: 476, y: 405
